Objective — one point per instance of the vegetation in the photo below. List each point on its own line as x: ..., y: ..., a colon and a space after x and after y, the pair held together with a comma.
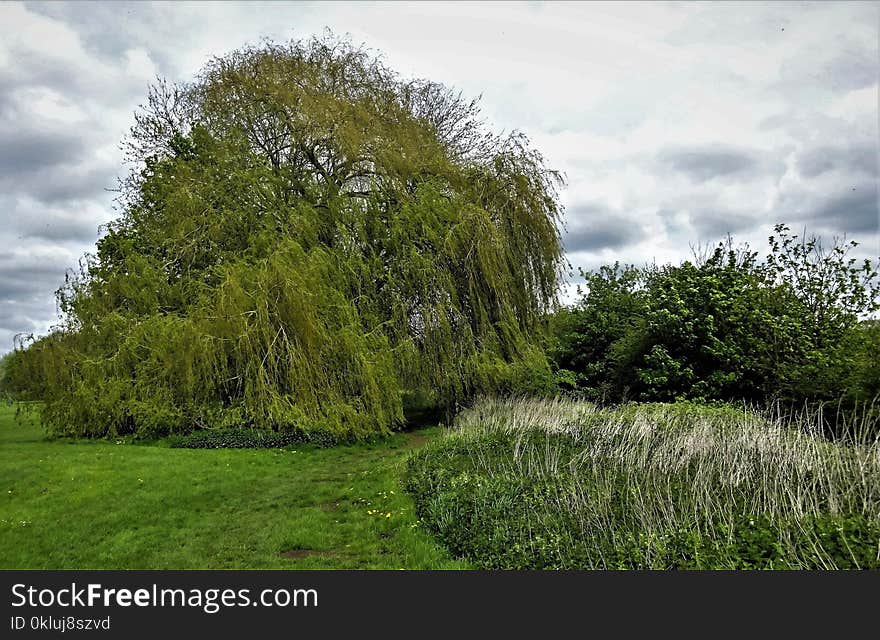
x: 564, y: 485
x: 114, y: 505
x: 794, y: 327
x: 248, y: 439
x: 305, y: 239
x: 312, y: 251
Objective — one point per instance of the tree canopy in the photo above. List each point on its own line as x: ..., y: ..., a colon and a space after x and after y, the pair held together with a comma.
x: 305, y: 238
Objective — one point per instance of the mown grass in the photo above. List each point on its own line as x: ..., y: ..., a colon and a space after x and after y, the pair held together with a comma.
x: 529, y: 484
x: 102, y: 505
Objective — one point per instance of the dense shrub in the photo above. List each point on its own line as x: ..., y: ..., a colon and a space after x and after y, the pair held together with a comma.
x: 727, y: 326
x: 528, y: 485
x: 588, y: 336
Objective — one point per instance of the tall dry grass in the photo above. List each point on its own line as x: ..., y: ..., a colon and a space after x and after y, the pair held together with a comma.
x: 668, y: 480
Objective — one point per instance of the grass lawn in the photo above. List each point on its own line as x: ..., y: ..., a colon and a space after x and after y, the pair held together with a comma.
x: 101, y: 505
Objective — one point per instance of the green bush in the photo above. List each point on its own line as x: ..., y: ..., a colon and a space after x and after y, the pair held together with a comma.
x: 727, y: 326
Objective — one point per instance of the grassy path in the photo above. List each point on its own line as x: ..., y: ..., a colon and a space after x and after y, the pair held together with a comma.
x: 99, y: 505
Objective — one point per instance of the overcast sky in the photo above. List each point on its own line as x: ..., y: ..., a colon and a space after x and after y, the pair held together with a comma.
x: 674, y: 123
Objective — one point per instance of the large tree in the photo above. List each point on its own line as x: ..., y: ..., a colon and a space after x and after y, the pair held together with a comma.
x: 305, y: 238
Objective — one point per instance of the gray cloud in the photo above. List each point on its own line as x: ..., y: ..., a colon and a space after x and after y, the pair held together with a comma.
x: 60, y: 228
x: 29, y: 276
x: 48, y: 159
x: 851, y: 69
x: 22, y: 274
x: 728, y: 23
x: 834, y: 206
x: 27, y: 314
x: 108, y: 30
x: 67, y: 77
x: 705, y: 163
x: 63, y: 184
x: 28, y: 317
x: 592, y: 227
x: 710, y: 224
x: 715, y: 224
x: 27, y: 304
x: 92, y: 25
x: 848, y: 67
x: 858, y: 158
x: 776, y: 121
x: 23, y: 151
x: 71, y: 224
x: 672, y: 219
x: 854, y: 211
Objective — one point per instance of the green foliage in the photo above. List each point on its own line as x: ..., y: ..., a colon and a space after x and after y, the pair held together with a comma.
x: 860, y: 350
x: 526, y: 485
x: 833, y: 288
x: 7, y: 371
x: 22, y: 373
x: 305, y: 239
x: 830, y: 293
x: 612, y: 308
x: 708, y: 326
x: 5, y: 361
x: 726, y: 327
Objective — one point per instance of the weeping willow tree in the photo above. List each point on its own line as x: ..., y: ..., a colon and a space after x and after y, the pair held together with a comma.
x: 305, y: 238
